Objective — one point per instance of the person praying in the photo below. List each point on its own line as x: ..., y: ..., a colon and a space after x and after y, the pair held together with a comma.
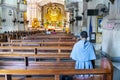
x: 83, y: 53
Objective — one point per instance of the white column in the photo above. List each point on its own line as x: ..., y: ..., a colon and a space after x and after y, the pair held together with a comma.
x: 32, y: 11
x: 74, y: 24
x: 111, y: 36
x: 8, y: 14
x: 12, y: 3
x: 80, y: 14
x: 117, y: 7
x: 67, y: 19
x: 0, y: 19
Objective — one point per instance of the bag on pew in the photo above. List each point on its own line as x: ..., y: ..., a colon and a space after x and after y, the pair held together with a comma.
x: 66, y: 77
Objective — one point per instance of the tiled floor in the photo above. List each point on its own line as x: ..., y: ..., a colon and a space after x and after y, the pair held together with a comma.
x: 116, y: 74
x: 116, y: 64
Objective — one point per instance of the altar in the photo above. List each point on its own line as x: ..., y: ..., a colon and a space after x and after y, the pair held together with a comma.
x: 54, y: 16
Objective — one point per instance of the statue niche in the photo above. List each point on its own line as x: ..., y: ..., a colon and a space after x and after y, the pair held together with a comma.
x: 53, y: 13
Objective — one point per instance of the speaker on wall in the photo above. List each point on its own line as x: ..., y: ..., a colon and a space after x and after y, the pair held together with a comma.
x: 92, y: 12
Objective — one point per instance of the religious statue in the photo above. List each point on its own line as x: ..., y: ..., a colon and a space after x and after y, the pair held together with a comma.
x: 53, y: 13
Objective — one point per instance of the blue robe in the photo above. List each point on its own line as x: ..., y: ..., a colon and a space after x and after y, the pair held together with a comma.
x: 83, y: 52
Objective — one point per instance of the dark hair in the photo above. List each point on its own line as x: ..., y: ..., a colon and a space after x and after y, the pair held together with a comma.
x: 84, y: 34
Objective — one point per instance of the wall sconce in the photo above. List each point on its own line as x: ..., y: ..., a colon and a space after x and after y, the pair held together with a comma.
x: 14, y: 21
x: 10, y: 12
x: 3, y: 20
x: 72, y: 21
x: 82, y: 13
x: 88, y: 0
x: 27, y: 21
x: 76, y: 10
x: 18, y: 21
x: 78, y: 18
x: 21, y: 22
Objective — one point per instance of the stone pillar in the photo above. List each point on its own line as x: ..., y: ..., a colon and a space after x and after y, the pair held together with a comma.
x: 74, y: 23
x: 22, y: 8
x: 84, y: 18
x: 0, y: 20
x: 8, y: 15
x: 111, y: 30
x: 80, y: 22
x: 115, y: 10
x: 32, y: 11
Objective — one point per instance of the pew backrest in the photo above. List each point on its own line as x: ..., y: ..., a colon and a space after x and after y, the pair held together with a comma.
x: 57, y: 71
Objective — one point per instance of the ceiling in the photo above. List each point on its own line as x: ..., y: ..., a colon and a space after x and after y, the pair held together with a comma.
x: 43, y: 2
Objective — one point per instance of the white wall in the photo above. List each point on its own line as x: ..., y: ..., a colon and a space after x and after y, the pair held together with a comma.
x: 107, y: 40
x: 23, y: 7
x: 79, y: 24
x: 8, y: 24
x: 20, y: 18
x: 92, y: 5
x: 111, y: 42
x: 12, y: 3
x: 9, y: 6
x: 0, y: 19
x: 111, y: 37
x: 76, y: 28
x: 115, y: 51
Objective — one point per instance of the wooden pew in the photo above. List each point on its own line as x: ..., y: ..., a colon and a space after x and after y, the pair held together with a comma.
x: 49, y: 37
x: 49, y: 68
x: 43, y: 40
x: 46, y: 38
x: 33, y: 64
x: 37, y: 44
x: 28, y: 49
x: 106, y: 70
x: 50, y: 60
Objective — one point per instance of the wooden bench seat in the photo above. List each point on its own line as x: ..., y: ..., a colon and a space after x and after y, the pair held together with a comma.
x: 50, y: 78
x: 37, y: 64
x: 55, y: 68
x: 49, y: 49
x: 46, y: 38
x: 37, y: 44
x: 43, y: 40
x: 56, y: 72
x: 27, y: 67
x: 24, y: 59
x: 49, y: 37
x: 29, y: 78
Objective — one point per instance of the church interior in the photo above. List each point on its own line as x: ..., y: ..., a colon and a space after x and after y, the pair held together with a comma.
x: 37, y: 37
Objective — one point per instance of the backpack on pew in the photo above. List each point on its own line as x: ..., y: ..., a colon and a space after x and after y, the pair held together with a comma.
x: 66, y: 77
